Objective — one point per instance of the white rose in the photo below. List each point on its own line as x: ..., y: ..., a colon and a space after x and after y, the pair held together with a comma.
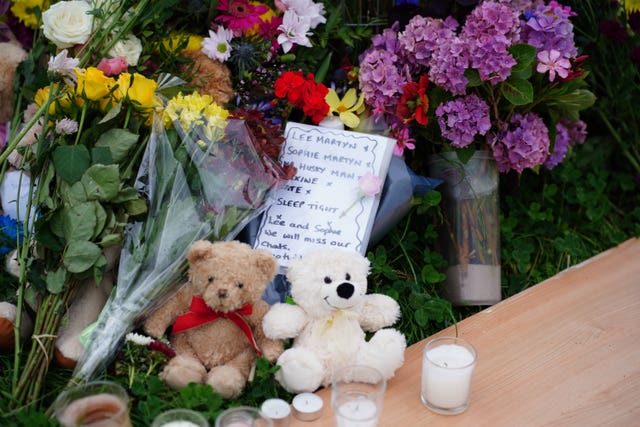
x: 130, y: 48
x: 67, y: 23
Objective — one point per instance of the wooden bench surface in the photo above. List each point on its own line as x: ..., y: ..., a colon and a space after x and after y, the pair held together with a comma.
x: 565, y: 352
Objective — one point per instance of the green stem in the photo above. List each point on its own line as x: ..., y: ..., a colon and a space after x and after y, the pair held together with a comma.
x: 634, y: 162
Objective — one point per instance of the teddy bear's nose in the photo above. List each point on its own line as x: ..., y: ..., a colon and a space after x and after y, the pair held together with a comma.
x: 222, y: 293
x: 345, y: 290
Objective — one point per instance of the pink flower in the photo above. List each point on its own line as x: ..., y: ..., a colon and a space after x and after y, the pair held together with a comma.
x: 370, y: 184
x: 552, y: 62
x: 295, y: 31
x: 113, y: 66
x: 240, y: 15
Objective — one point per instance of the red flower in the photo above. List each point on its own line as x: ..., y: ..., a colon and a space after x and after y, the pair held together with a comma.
x: 414, y: 102
x: 576, y: 68
x: 304, y: 93
x: 290, y: 85
x: 162, y: 348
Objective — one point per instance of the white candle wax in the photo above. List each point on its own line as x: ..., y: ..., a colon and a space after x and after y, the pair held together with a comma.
x: 180, y: 423
x: 278, y: 410
x: 331, y: 122
x: 357, y: 413
x: 446, y: 378
x: 307, y: 406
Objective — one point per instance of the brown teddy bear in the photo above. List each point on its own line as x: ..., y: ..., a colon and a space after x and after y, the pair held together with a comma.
x: 217, y: 317
x: 212, y: 77
x: 12, y: 55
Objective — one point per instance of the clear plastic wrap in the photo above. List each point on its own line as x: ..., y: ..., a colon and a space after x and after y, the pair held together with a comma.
x: 203, y: 180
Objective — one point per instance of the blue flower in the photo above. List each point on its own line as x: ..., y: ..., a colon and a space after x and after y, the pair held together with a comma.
x: 10, y: 233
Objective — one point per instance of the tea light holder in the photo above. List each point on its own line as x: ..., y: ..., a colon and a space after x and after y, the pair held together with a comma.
x: 180, y: 418
x: 278, y: 410
x: 447, y: 369
x: 307, y: 406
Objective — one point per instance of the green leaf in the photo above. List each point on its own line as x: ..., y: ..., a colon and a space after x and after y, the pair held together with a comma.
x: 571, y: 103
x: 119, y: 142
x: 78, y: 222
x: 518, y: 91
x: 102, y: 182
x: 465, y: 154
x: 71, y: 161
x: 110, y: 240
x: 80, y: 256
x: 56, y: 280
x: 125, y: 194
x: 524, y: 54
x: 73, y: 194
x: 136, y: 207
x: 101, y: 155
x: 101, y: 219
x: 473, y: 76
x: 323, y: 69
x: 431, y: 275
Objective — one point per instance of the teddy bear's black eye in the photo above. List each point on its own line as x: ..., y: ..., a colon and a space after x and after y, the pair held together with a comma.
x: 347, y: 276
x: 240, y: 285
x: 327, y: 280
x: 210, y: 279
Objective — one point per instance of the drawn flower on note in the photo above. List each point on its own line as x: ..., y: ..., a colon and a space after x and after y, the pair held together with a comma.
x: 368, y: 186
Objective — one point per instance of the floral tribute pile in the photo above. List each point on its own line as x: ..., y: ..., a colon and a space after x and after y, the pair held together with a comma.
x: 139, y: 127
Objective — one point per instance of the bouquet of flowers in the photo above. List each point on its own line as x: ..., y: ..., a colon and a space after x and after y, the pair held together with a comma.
x: 75, y: 144
x: 508, y: 79
x: 205, y: 177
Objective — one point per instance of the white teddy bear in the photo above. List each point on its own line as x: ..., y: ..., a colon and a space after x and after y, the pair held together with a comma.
x: 332, y: 311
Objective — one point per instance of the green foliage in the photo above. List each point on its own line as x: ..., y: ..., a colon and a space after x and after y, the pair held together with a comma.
x: 406, y: 267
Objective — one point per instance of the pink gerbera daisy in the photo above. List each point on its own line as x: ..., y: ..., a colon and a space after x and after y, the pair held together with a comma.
x: 240, y: 15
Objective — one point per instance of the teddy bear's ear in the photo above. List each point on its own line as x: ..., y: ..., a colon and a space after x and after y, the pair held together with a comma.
x: 266, y: 264
x: 198, y: 251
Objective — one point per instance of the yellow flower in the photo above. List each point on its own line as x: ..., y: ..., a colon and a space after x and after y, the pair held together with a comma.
x: 196, y: 110
x: 347, y: 107
x: 631, y: 5
x: 265, y: 17
x: 142, y: 92
x: 123, y: 83
x: 58, y: 105
x: 25, y: 11
x: 93, y: 84
x: 194, y: 42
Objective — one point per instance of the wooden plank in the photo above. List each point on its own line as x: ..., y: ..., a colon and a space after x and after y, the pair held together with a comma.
x: 564, y: 352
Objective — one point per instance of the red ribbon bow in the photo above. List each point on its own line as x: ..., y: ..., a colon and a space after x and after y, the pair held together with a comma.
x: 200, y: 313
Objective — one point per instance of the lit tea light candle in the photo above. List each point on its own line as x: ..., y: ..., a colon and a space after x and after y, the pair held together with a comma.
x: 446, y: 378
x: 278, y: 410
x: 307, y: 406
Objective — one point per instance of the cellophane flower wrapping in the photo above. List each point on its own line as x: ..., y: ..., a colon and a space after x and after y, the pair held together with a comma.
x: 203, y: 179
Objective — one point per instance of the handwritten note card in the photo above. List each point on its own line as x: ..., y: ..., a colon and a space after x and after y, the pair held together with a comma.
x: 322, y: 205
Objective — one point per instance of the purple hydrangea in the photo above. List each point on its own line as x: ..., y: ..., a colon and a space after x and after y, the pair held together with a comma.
x: 548, y: 27
x: 489, y: 30
x: 568, y: 133
x: 433, y: 44
x: 382, y: 74
x: 462, y: 119
x: 523, y: 143
x: 560, y: 147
